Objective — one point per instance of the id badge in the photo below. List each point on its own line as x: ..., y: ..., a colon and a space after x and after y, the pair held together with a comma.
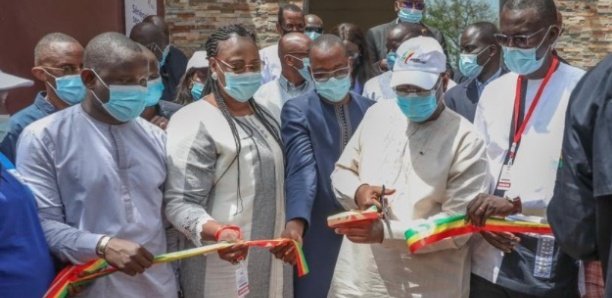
x: 505, y: 178
x: 544, y: 257
x: 242, y: 280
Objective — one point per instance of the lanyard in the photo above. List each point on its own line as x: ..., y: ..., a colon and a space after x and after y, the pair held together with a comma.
x: 519, y: 130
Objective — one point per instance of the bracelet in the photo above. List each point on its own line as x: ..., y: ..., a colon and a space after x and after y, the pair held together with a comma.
x: 227, y: 227
x: 101, y: 247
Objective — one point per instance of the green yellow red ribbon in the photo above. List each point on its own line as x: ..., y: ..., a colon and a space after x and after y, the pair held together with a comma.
x: 78, y: 275
x: 442, y: 228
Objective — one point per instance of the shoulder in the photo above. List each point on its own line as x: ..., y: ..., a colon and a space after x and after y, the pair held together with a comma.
x: 265, y: 89
x: 378, y: 29
x: 49, y: 125
x: 466, y: 131
x: 571, y: 74
x: 458, y: 90
x: 502, y: 86
x: 361, y: 100
x: 168, y: 108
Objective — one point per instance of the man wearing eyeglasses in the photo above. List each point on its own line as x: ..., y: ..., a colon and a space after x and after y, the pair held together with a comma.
x: 428, y: 162
x: 290, y: 19
x: 314, y: 26
x: 480, y: 62
x: 58, y: 59
x: 522, y: 117
x: 315, y: 129
x: 408, y: 11
x: 294, y: 80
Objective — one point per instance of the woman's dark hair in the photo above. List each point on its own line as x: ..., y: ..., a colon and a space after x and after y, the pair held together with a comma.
x: 364, y: 70
x: 212, y: 48
x: 183, y: 91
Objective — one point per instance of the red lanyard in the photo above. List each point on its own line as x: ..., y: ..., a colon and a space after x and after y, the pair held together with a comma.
x: 518, y: 131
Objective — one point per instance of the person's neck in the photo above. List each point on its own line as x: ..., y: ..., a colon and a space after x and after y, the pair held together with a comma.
x: 54, y: 100
x: 294, y: 78
x: 490, y: 69
x: 234, y: 107
x: 149, y: 113
x: 541, y: 73
x: 96, y: 111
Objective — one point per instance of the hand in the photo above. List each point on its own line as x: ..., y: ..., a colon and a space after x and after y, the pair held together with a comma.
x: 127, y: 256
x: 383, y: 65
x: 503, y: 241
x: 294, y: 229
x: 484, y: 206
x: 234, y: 253
x: 364, y: 232
x: 367, y: 195
x: 160, y: 121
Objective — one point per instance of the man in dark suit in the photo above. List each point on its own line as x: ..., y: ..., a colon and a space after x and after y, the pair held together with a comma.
x: 480, y: 62
x: 408, y: 11
x: 172, y: 62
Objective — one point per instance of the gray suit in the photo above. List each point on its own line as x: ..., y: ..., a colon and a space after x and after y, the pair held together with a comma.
x: 376, y: 39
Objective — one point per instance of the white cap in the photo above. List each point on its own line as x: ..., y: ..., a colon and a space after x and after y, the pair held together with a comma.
x: 420, y: 61
x: 197, y: 60
x: 8, y: 81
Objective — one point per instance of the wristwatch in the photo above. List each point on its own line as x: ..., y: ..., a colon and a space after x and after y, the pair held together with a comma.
x: 516, y: 203
x: 101, y: 246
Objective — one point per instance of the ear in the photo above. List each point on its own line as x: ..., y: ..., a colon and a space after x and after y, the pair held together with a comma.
x: 554, y: 33
x: 89, y: 78
x: 39, y: 73
x: 493, y: 50
x: 445, y: 79
x: 396, y: 5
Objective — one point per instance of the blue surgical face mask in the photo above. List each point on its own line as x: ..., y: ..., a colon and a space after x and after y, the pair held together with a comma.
x: 243, y: 86
x: 69, y: 89
x: 125, y: 102
x: 418, y: 108
x: 304, y: 72
x: 524, y: 61
x: 312, y: 34
x: 468, y: 64
x: 408, y: 15
x: 155, y: 89
x: 196, y: 91
x: 391, y: 58
x: 334, y: 89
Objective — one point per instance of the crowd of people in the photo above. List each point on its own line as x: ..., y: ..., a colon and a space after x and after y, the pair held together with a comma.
x: 133, y: 150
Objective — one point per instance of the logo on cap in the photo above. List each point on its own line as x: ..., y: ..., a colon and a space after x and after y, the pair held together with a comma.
x: 407, y: 56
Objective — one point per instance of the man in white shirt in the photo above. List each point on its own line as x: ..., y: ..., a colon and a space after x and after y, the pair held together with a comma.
x: 290, y: 19
x: 294, y: 79
x: 522, y: 116
x: 431, y: 161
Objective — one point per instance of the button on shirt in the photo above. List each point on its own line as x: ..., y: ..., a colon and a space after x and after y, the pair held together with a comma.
x: 534, y: 169
x: 37, y: 110
x: 92, y: 179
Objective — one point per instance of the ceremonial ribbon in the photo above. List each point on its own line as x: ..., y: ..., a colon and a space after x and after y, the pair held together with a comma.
x: 78, y: 275
x: 439, y: 229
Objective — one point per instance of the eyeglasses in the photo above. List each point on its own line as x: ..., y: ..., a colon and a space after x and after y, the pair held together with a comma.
x: 413, y: 5
x: 65, y: 69
x: 288, y: 28
x: 324, y: 76
x: 418, y: 92
x: 314, y: 29
x: 241, y: 67
x: 521, y: 41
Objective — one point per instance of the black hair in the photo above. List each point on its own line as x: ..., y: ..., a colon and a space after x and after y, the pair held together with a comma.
x: 44, y: 44
x: 183, y: 92
x: 287, y: 7
x: 271, y: 125
x: 487, y: 31
x: 547, y: 9
x: 363, y: 71
x: 109, y: 48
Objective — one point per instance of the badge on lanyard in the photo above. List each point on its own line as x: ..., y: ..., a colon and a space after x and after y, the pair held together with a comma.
x: 242, y: 280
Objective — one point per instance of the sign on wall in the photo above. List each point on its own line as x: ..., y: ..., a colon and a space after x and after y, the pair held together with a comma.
x: 136, y: 10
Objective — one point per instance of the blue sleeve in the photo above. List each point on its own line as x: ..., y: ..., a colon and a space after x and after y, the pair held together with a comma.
x: 301, y: 170
x: 9, y: 145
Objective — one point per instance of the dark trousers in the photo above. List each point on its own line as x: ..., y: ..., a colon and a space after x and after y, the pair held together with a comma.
x: 482, y: 288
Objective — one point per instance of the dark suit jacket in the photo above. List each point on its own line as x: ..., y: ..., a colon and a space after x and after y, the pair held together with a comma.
x: 376, y: 39
x: 464, y: 97
x: 172, y: 72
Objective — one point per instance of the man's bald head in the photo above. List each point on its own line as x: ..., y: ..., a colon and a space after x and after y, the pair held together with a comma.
x: 49, y: 45
x: 159, y: 22
x: 313, y: 20
x: 150, y: 36
x: 293, y: 43
x: 111, y: 49
x: 327, y: 42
